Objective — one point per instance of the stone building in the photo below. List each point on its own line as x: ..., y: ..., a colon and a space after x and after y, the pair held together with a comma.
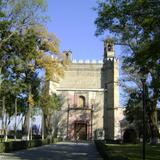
x: 91, y: 92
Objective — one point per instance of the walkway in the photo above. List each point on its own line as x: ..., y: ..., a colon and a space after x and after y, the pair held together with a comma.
x: 59, y: 151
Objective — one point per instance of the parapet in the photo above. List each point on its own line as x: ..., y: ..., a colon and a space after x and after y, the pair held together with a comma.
x: 87, y: 61
x: 111, y: 59
x: 93, y: 61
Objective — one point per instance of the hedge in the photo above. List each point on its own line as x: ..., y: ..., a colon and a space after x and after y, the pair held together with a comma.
x: 18, y: 145
x: 107, y: 153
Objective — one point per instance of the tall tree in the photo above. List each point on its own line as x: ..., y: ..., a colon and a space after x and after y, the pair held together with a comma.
x: 135, y: 24
x: 22, y: 14
x: 49, y: 104
x: 26, y: 49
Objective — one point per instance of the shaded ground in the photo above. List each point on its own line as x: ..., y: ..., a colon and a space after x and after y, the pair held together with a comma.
x: 134, y: 151
x: 60, y: 151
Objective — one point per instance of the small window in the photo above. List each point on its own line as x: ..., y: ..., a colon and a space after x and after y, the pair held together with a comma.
x: 81, y: 101
x: 110, y: 47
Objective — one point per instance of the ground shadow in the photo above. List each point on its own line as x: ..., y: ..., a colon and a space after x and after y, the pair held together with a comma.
x: 66, y: 151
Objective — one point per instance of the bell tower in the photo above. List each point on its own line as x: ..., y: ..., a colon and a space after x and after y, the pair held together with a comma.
x: 110, y: 78
x: 109, y: 51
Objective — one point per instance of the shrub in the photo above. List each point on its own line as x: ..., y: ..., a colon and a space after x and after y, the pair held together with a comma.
x: 130, y: 136
x: 2, y: 147
x: 15, y: 145
x: 107, y: 153
x: 18, y: 145
x: 111, y: 141
x: 102, y: 149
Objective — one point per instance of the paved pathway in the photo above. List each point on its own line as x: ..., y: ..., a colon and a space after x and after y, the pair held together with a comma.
x: 59, y: 151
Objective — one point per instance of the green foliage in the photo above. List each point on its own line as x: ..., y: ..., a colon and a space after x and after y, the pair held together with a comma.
x: 22, y: 59
x: 49, y: 104
x: 26, y: 48
x: 2, y: 147
x: 134, y: 151
x: 135, y: 24
x: 134, y: 107
x: 24, y: 13
x: 107, y: 153
x: 130, y: 136
x: 17, y: 53
x: 19, y: 145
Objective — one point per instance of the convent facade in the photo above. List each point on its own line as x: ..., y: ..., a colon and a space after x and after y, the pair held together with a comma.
x: 90, y: 89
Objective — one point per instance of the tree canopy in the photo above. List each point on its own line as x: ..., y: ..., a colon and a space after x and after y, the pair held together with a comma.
x: 135, y: 24
x: 26, y: 49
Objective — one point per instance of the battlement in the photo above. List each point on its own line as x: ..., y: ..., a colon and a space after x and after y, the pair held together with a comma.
x: 110, y: 59
x: 87, y: 61
x: 93, y: 61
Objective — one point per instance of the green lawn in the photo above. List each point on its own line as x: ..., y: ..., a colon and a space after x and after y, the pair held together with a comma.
x: 9, y: 140
x: 134, y: 152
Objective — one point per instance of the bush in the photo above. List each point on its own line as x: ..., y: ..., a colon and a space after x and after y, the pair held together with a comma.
x: 18, y: 145
x: 107, y: 153
x: 102, y: 149
x: 2, y: 147
x: 37, y: 137
x: 15, y: 145
x: 111, y: 141
x: 130, y: 136
x: 12, y: 132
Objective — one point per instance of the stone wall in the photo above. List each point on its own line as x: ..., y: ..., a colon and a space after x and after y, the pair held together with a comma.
x: 96, y: 82
x: 82, y: 76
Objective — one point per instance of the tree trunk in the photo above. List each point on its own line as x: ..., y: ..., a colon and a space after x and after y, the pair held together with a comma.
x: 152, y: 115
x: 6, y: 129
x: 15, y: 126
x: 31, y: 126
x: 154, y: 127
x: 47, y: 125
x: 3, y: 114
x: 25, y: 127
x: 42, y: 128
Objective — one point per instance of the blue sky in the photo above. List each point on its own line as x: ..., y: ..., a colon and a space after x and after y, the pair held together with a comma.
x: 73, y: 23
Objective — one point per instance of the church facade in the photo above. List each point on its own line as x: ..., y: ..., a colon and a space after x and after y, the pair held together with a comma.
x: 90, y: 89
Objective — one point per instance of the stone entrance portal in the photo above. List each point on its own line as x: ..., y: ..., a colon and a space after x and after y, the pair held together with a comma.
x: 80, y: 130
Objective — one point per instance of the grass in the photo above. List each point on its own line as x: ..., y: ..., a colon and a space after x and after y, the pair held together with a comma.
x: 9, y: 139
x: 134, y: 151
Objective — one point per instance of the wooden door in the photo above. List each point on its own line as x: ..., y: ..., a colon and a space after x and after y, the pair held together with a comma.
x: 81, y: 131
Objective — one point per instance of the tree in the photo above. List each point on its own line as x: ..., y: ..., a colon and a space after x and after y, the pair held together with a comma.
x: 22, y: 14
x: 26, y: 48
x: 135, y: 24
x: 134, y: 112
x: 130, y: 136
x: 49, y: 104
x: 37, y: 55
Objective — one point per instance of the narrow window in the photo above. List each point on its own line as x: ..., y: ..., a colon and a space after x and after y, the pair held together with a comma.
x: 81, y: 101
x: 110, y: 47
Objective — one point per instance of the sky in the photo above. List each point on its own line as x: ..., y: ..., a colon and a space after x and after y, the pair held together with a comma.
x: 73, y: 23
